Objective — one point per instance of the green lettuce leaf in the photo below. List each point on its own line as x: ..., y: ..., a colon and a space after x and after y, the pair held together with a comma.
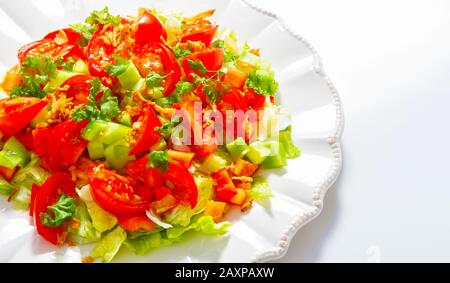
x: 86, y: 233
x: 144, y: 244
x: 101, y: 219
x: 181, y: 215
x: 204, y: 224
x: 262, y: 81
x: 56, y: 214
x: 286, y: 141
x: 107, y: 248
x: 260, y: 189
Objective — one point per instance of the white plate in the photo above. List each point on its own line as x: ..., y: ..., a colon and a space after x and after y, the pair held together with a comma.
x: 263, y: 233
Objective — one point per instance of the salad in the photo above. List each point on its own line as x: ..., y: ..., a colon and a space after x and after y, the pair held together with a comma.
x: 132, y: 132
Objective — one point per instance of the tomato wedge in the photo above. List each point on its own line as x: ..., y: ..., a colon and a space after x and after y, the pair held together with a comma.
x: 70, y: 37
x: 79, y: 87
x: 224, y: 187
x: 184, y: 187
x: 149, y: 28
x: 146, y: 60
x: 47, y: 195
x: 17, y: 113
x: 8, y: 173
x: 115, y: 193
x: 25, y: 137
x: 254, y: 100
x: 212, y: 59
x: 60, y: 147
x: 200, y: 30
x: 145, y: 135
x: 138, y: 222
x: 98, y: 53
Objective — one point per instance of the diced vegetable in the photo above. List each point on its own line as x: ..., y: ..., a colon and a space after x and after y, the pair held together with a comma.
x: 258, y: 152
x: 13, y: 154
x: 81, y: 229
x: 5, y: 187
x: 58, y: 80
x: 105, y: 132
x: 117, y: 155
x: 96, y: 150
x: 288, y: 144
x: 238, y: 148
x: 216, y: 161
x: 215, y: 209
x: 277, y: 157
x: 130, y: 77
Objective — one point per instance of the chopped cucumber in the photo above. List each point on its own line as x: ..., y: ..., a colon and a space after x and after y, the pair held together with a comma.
x: 14, y: 154
x: 258, y: 152
x: 238, y: 148
x: 106, y: 132
x: 130, y: 77
x: 96, y: 150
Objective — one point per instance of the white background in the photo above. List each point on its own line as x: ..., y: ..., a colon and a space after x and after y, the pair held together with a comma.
x: 390, y: 61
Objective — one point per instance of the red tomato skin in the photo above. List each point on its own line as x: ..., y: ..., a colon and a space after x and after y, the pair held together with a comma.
x: 224, y: 187
x: 254, y: 100
x: 24, y: 50
x: 149, y: 28
x: 138, y: 222
x: 147, y: 135
x: 107, y: 189
x: 25, y: 137
x: 206, y: 35
x: 94, y: 45
x: 8, y: 173
x: 47, y: 195
x: 72, y: 37
x: 78, y: 88
x: 212, y: 60
x: 66, y: 138
x: 21, y: 115
x: 185, y: 189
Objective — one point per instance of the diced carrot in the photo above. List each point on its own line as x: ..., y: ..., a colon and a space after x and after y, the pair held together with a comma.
x: 235, y: 78
x: 239, y: 198
x: 11, y: 79
x: 215, y: 209
x: 244, y: 168
x: 184, y: 158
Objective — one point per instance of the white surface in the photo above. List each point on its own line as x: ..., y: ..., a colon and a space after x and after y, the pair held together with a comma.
x: 264, y: 232
x: 390, y: 61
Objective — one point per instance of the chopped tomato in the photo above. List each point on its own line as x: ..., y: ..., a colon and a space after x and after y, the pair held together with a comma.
x: 47, y: 195
x: 69, y: 37
x: 200, y: 30
x: 25, y: 137
x: 212, y: 59
x: 8, y: 173
x: 17, y: 113
x: 145, y: 136
x: 233, y: 100
x: 254, y: 100
x: 149, y: 28
x: 165, y: 203
x: 78, y: 88
x: 138, y: 222
x: 115, y: 193
x: 223, y: 186
x: 99, y: 54
x: 164, y: 56
x: 66, y: 138
x: 46, y: 46
x: 184, y: 187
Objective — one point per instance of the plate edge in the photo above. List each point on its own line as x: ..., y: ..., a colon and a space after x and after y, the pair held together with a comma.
x: 333, y: 140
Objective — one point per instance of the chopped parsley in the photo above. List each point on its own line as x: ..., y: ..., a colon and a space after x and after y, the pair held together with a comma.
x: 158, y: 159
x: 197, y: 65
x: 262, y: 81
x: 105, y: 109
x: 118, y: 67
x: 180, y: 52
x: 36, y: 72
x: 167, y: 127
x: 183, y: 88
x: 90, y: 25
x: 56, y: 214
x: 218, y: 44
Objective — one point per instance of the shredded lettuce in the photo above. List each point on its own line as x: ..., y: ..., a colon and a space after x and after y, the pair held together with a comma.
x: 204, y: 224
x: 262, y: 81
x: 181, y: 215
x: 144, y: 244
x: 31, y: 174
x: 85, y: 232
x: 260, y: 189
x: 286, y: 141
x: 107, y: 248
x: 101, y: 219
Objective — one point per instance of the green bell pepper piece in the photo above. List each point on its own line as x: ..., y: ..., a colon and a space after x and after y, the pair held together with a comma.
x: 238, y: 148
x: 96, y: 150
x: 14, y: 154
x: 130, y: 77
x: 105, y: 132
x: 117, y: 155
x: 258, y: 152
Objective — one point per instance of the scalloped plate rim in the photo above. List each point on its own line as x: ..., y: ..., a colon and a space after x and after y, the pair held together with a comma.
x: 301, y: 219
